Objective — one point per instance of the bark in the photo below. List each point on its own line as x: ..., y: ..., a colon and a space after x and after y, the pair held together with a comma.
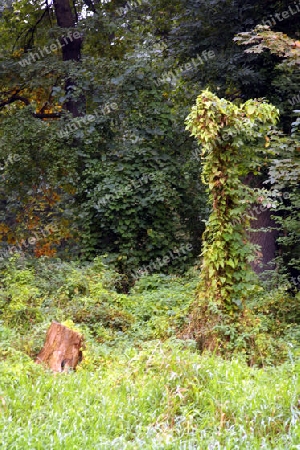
x: 71, y: 50
x: 62, y: 348
x: 265, y: 239
x: 266, y: 231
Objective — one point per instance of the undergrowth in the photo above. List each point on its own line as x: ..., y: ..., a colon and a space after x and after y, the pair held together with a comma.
x: 139, y: 386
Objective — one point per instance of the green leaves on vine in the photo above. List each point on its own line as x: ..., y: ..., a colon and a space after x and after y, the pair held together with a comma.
x: 233, y: 144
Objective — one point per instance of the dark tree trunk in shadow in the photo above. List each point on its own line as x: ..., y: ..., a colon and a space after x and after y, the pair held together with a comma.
x: 265, y: 231
x: 265, y: 239
x: 71, y: 50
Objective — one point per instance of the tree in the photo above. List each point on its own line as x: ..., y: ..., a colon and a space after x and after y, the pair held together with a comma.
x: 284, y: 172
x: 232, y: 142
x: 37, y: 168
x: 71, y: 51
x: 203, y: 26
x: 135, y: 153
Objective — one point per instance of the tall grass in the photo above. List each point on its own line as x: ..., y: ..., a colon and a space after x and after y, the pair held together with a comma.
x: 138, y: 387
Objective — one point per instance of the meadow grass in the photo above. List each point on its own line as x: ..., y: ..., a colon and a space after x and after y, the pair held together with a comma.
x: 138, y: 387
x: 161, y: 396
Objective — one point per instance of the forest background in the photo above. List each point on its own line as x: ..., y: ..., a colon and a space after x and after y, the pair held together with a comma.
x: 110, y: 218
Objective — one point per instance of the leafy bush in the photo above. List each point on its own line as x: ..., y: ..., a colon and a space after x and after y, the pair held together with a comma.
x: 20, y: 299
x: 157, y: 307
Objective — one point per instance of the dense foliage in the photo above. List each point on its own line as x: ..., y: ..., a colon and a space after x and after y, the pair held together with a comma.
x: 99, y: 96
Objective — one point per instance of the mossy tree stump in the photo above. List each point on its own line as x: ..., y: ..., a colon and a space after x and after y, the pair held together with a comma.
x: 62, y: 348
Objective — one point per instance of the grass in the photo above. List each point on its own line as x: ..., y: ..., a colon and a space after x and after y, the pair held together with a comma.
x: 139, y: 387
x: 163, y: 396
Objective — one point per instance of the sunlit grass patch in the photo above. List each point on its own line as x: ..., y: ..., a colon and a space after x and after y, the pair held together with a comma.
x: 162, y: 396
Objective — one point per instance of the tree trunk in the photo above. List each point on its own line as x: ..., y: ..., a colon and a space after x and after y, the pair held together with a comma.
x: 71, y: 50
x: 265, y: 231
x: 62, y: 348
x: 266, y: 239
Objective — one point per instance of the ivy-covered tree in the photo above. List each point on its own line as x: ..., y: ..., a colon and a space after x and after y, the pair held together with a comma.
x: 233, y: 144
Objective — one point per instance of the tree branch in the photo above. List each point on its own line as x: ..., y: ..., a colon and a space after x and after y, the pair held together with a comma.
x: 75, y: 11
x: 47, y: 116
x: 32, y: 29
x: 16, y: 98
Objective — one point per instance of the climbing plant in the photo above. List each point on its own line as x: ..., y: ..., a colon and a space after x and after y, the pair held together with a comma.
x: 234, y: 143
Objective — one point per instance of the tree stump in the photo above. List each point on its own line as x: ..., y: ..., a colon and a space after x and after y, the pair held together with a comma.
x: 62, y: 348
